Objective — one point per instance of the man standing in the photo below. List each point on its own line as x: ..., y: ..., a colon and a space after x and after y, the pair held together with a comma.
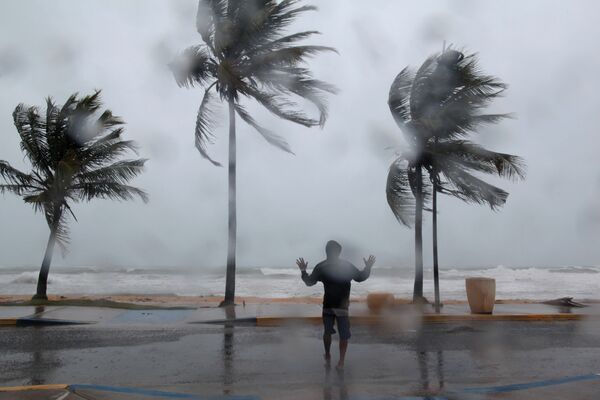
x: 336, y: 275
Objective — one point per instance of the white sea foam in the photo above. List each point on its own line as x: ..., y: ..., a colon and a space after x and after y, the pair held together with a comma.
x: 25, y: 278
x: 279, y: 271
x: 533, y: 283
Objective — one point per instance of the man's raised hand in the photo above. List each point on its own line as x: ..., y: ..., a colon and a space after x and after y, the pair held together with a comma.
x: 301, y: 264
x: 369, y: 261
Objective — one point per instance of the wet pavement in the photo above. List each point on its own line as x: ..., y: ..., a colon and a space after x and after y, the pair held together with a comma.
x: 451, y: 360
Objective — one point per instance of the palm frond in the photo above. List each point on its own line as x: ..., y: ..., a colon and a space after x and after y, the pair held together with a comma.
x: 268, y: 135
x: 463, y: 90
x: 106, y: 189
x: 284, y: 13
x: 14, y: 176
x: 52, y: 115
x: 460, y: 120
x: 283, y: 108
x: 285, y: 57
x: 19, y: 190
x: 478, y: 120
x: 420, y: 90
x: 120, y: 172
x: 205, y: 125
x: 107, y: 120
x: 259, y: 22
x: 61, y: 229
x: 472, y: 189
x: 56, y: 135
x: 89, y: 104
x: 30, y: 128
x: 194, y: 66
x: 285, y: 41
x: 398, y: 192
x: 208, y: 12
x: 475, y: 157
x: 106, y: 149
x: 298, y: 82
x: 399, y: 97
x: 83, y: 126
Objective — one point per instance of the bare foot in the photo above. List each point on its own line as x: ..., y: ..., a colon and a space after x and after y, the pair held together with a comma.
x: 327, y: 358
x: 340, y: 366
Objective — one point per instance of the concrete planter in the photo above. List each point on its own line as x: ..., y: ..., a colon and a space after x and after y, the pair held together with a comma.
x: 481, y: 293
x: 378, y: 301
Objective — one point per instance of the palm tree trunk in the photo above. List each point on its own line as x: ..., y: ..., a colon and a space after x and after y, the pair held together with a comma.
x: 42, y: 283
x: 418, y: 288
x: 232, y: 228
x: 436, y: 276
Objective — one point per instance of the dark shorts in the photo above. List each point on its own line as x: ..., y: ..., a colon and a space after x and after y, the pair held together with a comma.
x: 343, y: 325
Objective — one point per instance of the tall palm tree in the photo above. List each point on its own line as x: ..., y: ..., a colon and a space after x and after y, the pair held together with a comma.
x: 248, y: 54
x: 436, y: 108
x: 75, y: 152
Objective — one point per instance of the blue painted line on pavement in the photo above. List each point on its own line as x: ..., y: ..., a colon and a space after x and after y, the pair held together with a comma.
x: 156, y: 393
x: 531, y: 385
x: 396, y: 398
x: 237, y: 321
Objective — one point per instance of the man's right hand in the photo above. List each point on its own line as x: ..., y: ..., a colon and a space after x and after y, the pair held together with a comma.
x: 301, y: 264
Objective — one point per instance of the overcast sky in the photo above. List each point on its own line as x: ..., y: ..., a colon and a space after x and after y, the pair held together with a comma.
x: 334, y: 187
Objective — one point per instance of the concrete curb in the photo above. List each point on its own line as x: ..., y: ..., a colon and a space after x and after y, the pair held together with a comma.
x: 371, y: 320
x: 33, y: 388
x: 32, y: 321
x: 92, y: 303
x: 428, y: 318
x: 440, y: 318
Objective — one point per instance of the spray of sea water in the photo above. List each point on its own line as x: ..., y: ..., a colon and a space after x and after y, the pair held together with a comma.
x: 531, y: 283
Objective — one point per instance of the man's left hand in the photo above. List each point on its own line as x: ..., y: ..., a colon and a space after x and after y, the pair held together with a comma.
x: 369, y: 261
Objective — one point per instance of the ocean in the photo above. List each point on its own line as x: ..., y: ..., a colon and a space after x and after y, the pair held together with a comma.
x: 531, y: 283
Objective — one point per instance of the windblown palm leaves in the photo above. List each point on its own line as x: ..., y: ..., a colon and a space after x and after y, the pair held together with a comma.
x: 248, y: 54
x: 454, y: 165
x: 75, y: 152
x: 438, y: 107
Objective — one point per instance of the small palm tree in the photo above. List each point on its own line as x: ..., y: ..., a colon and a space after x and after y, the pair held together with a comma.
x: 248, y: 54
x: 436, y: 108
x: 75, y: 154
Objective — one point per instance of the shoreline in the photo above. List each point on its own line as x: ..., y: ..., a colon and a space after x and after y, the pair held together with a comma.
x: 167, y: 300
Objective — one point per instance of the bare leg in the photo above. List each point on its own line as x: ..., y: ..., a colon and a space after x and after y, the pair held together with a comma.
x: 343, y: 348
x: 327, y: 345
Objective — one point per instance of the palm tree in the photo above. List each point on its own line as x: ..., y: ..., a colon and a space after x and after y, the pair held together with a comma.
x: 75, y: 154
x: 436, y: 108
x: 248, y: 54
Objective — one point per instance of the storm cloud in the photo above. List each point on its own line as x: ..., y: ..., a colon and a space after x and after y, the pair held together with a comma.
x: 334, y: 186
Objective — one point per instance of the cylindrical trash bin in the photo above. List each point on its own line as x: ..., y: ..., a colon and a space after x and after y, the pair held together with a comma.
x: 481, y: 293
